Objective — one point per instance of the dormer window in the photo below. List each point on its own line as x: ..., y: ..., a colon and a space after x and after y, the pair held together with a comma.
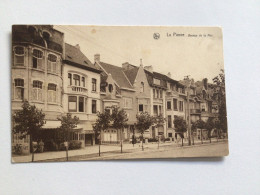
x: 19, y: 56
x: 37, y: 59
x: 46, y: 35
x: 156, y: 81
x: 110, y: 88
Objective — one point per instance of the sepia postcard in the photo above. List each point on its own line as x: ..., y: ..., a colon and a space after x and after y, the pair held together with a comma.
x: 117, y: 92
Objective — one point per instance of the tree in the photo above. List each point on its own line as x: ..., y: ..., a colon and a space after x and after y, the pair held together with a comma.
x: 68, y: 123
x: 220, y: 97
x: 158, y: 121
x: 200, y: 124
x: 28, y: 121
x: 209, y: 126
x: 144, y: 122
x: 119, y: 119
x: 180, y: 126
x: 102, y: 123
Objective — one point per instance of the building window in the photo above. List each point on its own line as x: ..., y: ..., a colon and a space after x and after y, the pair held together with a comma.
x: 19, y: 89
x: 160, y: 109
x: 169, y: 105
x: 169, y: 134
x: 141, y: 108
x: 83, y: 81
x: 142, y: 87
x: 169, y: 121
x: 175, y: 105
x: 155, y: 110
x: 52, y: 92
x: 110, y: 88
x: 128, y: 102
x: 94, y: 106
x: 94, y: 84
x: 153, y: 93
x: 70, y: 79
x: 19, y: 56
x: 72, y: 104
x: 37, y: 91
x: 181, y: 106
x: 156, y: 81
x: 81, y: 104
x: 52, y: 63
x: 76, y: 79
x: 37, y: 59
x: 203, y: 109
x: 161, y: 92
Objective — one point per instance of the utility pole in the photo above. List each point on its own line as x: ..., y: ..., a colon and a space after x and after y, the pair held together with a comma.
x: 188, y: 106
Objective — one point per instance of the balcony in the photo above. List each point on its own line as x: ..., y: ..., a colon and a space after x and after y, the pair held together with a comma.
x: 77, y: 90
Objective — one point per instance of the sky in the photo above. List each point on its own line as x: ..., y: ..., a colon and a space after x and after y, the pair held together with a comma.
x: 182, y: 51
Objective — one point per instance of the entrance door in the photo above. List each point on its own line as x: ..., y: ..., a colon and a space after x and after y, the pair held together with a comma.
x: 88, y: 139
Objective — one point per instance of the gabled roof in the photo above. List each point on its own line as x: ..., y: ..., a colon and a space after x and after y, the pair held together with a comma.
x: 131, y: 73
x: 117, y: 73
x: 75, y: 57
x: 151, y: 75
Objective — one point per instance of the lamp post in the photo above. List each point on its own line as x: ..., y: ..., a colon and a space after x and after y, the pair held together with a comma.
x: 188, y: 107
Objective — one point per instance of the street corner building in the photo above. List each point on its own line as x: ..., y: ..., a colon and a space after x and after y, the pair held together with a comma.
x: 58, y: 78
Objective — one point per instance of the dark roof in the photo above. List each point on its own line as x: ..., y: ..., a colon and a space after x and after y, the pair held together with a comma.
x: 23, y: 33
x: 117, y: 74
x: 75, y: 57
x: 131, y: 74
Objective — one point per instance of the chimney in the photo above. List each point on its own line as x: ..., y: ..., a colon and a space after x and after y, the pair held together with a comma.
x: 205, y: 82
x: 149, y: 68
x: 141, y: 62
x: 126, y: 66
x: 97, y: 58
x: 169, y: 75
x: 77, y: 46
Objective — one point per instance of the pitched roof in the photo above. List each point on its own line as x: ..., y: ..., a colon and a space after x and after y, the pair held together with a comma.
x: 75, y: 57
x: 117, y: 73
x: 131, y: 74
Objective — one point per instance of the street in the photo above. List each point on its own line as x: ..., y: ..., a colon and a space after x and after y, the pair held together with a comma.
x: 209, y: 150
x: 167, y: 151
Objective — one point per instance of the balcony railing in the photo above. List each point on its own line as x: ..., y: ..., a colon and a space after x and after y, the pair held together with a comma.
x: 77, y: 89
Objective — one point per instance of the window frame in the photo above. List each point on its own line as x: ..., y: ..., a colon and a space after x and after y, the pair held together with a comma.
x: 94, y: 85
x: 181, y: 106
x: 167, y: 106
x: 76, y: 98
x: 18, y: 55
x: 52, y: 92
x: 175, y: 100
x: 169, y: 122
x: 125, y: 102
x: 21, y: 87
x: 38, y: 87
x: 94, y: 109
x: 83, y: 104
x: 37, y: 59
x: 52, y: 64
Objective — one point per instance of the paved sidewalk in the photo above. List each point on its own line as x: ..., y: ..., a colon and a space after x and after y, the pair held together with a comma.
x: 91, y: 150
x: 85, y: 151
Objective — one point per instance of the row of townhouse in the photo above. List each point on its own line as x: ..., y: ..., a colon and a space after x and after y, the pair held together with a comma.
x: 58, y: 78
